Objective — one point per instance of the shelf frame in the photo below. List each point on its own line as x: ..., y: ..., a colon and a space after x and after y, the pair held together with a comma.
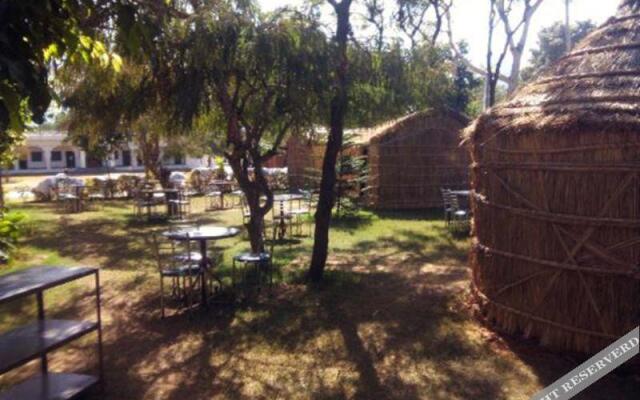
x: 35, y: 281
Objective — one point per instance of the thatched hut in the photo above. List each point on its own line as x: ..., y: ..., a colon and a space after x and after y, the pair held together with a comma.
x: 556, y: 197
x: 306, y: 153
x: 411, y: 159
x: 304, y: 161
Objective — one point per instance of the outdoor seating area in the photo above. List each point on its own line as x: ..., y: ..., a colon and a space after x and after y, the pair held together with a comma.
x: 191, y: 295
x: 319, y: 200
x: 180, y: 240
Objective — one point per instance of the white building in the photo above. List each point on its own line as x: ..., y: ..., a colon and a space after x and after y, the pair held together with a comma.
x: 45, y: 152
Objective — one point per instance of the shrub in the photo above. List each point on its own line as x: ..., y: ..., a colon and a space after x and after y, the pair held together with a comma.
x: 10, y: 232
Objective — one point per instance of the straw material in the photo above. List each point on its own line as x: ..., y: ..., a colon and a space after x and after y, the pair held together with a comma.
x: 412, y: 159
x: 409, y: 159
x: 556, y: 183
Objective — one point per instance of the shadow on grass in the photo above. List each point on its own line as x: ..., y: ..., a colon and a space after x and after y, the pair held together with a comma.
x: 113, y: 239
x: 358, y: 325
x: 387, y: 324
x: 287, y: 345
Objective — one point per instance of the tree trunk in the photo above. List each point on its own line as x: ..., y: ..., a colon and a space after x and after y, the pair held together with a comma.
x: 150, y: 149
x: 1, y: 191
x: 338, y: 111
x: 253, y: 190
x: 514, y: 78
x: 567, y: 27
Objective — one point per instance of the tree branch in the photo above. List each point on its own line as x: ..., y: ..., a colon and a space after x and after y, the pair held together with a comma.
x: 458, y: 54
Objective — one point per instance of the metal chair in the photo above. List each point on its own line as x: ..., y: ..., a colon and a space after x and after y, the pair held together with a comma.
x: 282, y: 220
x: 261, y: 262
x: 181, y: 205
x: 69, y: 196
x: 142, y: 204
x: 213, y: 195
x: 458, y: 217
x: 184, y: 272
x: 446, y: 205
x: 302, y: 214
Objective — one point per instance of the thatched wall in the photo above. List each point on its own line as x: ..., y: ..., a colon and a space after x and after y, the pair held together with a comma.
x: 556, y: 182
x: 304, y: 162
x: 411, y: 160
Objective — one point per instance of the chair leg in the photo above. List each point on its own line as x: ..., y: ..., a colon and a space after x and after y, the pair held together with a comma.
x: 162, y: 296
x: 233, y: 274
x: 190, y: 292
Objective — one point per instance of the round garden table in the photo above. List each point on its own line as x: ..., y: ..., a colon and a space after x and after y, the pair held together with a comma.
x: 202, y: 235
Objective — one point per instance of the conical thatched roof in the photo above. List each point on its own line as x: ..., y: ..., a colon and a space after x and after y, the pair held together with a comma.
x: 597, y: 84
x: 416, y: 121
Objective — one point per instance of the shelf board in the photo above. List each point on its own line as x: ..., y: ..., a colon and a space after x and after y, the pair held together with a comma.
x: 29, y: 342
x: 32, y: 280
x: 52, y: 386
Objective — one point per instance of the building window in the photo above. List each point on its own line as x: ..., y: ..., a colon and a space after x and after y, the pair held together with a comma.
x: 178, y: 159
x: 56, y: 155
x: 116, y: 155
x: 36, y: 156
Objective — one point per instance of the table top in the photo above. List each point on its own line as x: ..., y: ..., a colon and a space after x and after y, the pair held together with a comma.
x: 221, y: 182
x: 159, y: 190
x: 34, y: 279
x: 287, y: 197
x: 206, y: 232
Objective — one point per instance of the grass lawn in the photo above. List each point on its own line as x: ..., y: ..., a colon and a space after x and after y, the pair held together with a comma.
x: 391, y: 322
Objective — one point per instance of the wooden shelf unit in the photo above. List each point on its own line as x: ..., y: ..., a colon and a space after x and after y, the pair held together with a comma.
x: 35, y: 340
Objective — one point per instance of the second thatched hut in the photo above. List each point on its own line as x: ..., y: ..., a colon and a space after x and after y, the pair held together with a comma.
x: 411, y: 159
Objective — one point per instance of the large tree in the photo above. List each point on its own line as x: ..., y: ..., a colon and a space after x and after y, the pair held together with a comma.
x: 260, y: 75
x: 108, y: 109
x: 338, y: 111
x: 421, y: 20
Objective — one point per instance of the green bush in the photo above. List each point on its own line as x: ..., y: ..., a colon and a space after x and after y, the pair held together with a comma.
x: 10, y: 232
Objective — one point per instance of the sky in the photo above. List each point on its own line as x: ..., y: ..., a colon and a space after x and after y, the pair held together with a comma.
x: 469, y: 19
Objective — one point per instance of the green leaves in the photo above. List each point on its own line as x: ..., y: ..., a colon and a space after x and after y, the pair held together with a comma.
x: 10, y: 232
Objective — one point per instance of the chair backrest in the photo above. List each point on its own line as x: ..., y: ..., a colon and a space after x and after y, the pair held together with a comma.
x: 182, y: 194
x: 450, y: 200
x: 446, y: 197
x: 166, y: 249
x: 278, y: 209
x: 163, y: 250
x: 454, y: 201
